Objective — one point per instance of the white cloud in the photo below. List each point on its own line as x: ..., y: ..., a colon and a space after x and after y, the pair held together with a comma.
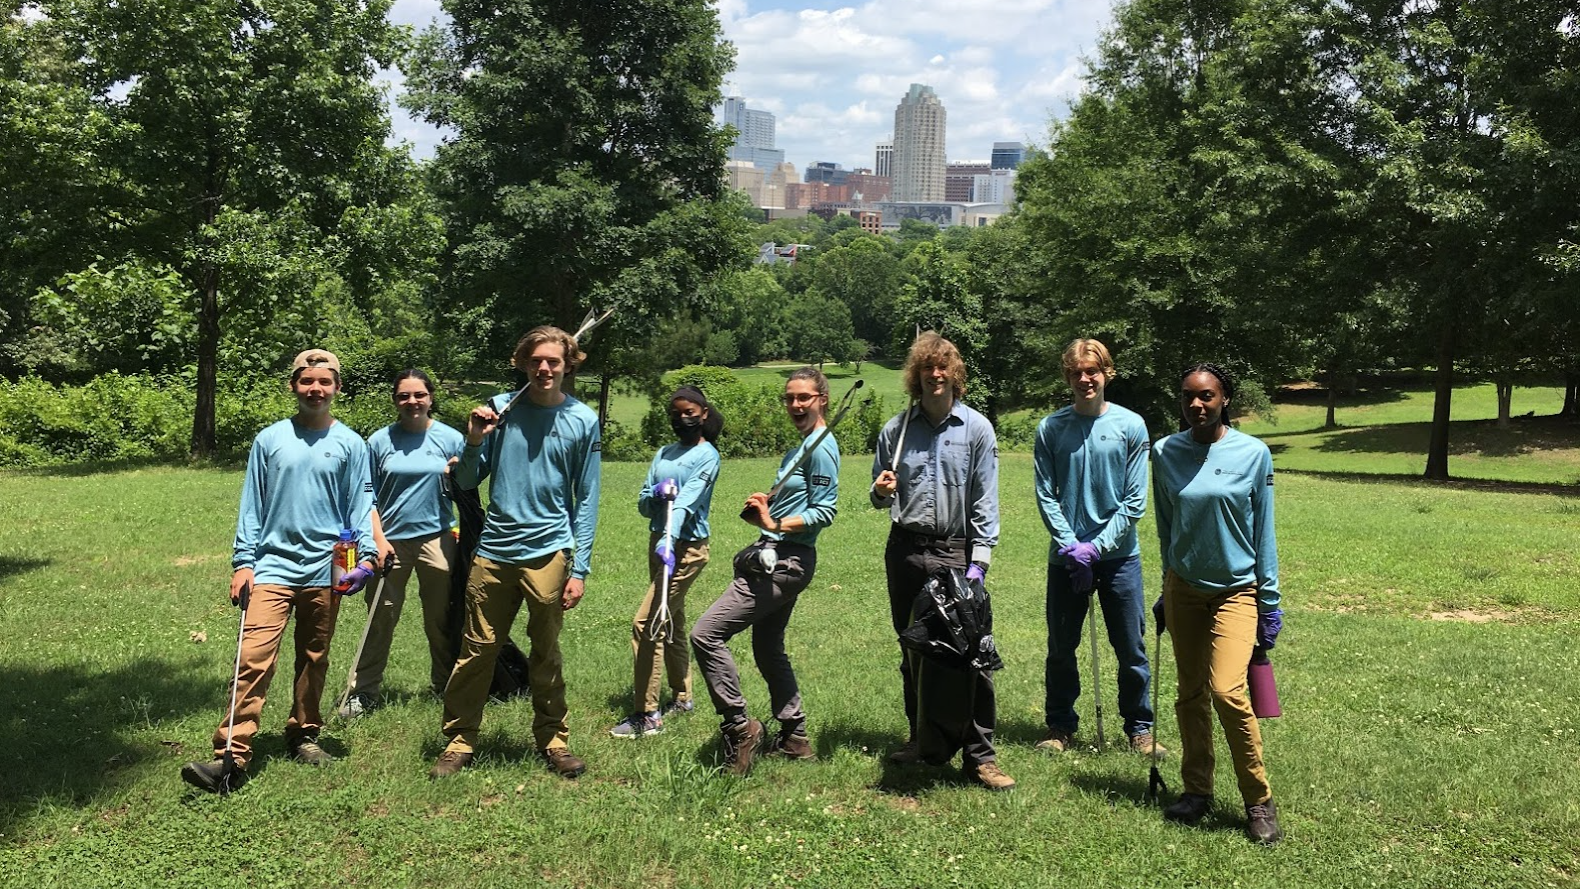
x: 832, y: 73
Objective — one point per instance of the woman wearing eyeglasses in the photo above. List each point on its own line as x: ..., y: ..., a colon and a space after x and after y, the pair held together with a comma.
x: 769, y: 576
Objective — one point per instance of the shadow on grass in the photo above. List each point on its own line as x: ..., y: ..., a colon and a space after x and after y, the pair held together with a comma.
x: 66, y: 731
x: 1454, y: 484
x: 1318, y: 396
x: 14, y: 565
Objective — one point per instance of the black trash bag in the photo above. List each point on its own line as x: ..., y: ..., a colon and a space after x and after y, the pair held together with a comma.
x: 950, y: 647
x: 510, y: 670
x: 952, y: 623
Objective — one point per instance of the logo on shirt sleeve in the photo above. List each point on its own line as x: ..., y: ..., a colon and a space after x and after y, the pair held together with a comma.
x: 821, y: 481
x: 1269, y: 479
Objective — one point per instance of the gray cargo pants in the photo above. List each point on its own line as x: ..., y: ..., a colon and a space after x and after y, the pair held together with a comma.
x: 763, y: 602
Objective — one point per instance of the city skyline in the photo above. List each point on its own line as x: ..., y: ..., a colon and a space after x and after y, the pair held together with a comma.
x: 832, y: 74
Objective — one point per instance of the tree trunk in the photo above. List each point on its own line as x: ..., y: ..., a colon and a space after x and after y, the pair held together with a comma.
x: 203, y: 419
x: 1505, y: 399
x: 1332, y: 421
x: 1571, y: 394
x: 1437, y: 449
x: 603, y: 400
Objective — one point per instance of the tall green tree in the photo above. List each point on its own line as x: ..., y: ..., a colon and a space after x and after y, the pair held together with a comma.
x: 865, y: 276
x: 585, y: 166
x: 248, y: 156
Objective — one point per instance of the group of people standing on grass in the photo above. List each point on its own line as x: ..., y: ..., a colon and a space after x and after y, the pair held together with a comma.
x: 935, y: 470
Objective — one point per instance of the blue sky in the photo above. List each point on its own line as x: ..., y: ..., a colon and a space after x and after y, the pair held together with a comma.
x: 832, y: 74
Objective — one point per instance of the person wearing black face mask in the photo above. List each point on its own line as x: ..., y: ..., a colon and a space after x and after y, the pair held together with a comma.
x: 679, y: 490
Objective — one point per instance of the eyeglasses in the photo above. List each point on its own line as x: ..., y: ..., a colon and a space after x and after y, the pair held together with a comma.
x: 800, y: 397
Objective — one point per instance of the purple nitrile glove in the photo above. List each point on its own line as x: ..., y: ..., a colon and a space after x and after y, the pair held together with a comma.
x: 1081, y: 580
x: 976, y: 572
x: 1268, y: 626
x: 666, y: 490
x: 354, y: 580
x: 666, y: 554
x: 1085, y: 553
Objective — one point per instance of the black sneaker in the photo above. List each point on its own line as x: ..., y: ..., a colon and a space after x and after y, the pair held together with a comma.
x: 212, y: 777
x: 1189, y: 808
x: 307, y: 751
x: 1261, y: 823
x: 907, y: 754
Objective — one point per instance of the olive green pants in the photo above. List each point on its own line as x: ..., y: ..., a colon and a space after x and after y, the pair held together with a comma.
x: 494, y: 594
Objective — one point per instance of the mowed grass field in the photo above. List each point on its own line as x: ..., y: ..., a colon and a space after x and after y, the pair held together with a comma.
x: 1428, y: 669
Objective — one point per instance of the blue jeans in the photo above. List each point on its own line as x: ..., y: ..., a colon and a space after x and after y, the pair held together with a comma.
x: 1120, y: 592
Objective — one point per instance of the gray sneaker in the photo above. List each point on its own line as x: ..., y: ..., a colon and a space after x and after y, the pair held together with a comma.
x: 638, y: 724
x: 355, y: 706
x: 677, y: 706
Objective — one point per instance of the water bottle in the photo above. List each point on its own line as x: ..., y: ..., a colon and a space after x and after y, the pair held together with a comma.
x: 345, y: 557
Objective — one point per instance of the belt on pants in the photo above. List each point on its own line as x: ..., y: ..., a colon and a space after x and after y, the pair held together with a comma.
x: 931, y: 541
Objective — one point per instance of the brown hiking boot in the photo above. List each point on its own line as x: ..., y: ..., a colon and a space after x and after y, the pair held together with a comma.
x: 450, y: 762
x: 908, y: 754
x: 791, y: 746
x: 563, y: 762
x: 307, y: 751
x: 989, y: 775
x: 1144, y: 744
x: 1189, y: 808
x: 1058, y: 741
x: 740, y: 746
x: 1261, y: 823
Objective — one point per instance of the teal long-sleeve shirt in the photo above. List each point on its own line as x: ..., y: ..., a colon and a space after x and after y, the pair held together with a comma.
x: 812, y: 492
x: 302, y: 488
x: 408, y: 479
x: 1214, y: 505
x: 1091, y: 480
x: 545, y: 463
x: 694, y: 468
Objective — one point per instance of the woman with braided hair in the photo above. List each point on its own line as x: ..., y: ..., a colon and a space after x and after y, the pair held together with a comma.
x: 1213, y: 498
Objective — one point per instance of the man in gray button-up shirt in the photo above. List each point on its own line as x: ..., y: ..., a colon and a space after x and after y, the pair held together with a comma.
x: 936, y: 471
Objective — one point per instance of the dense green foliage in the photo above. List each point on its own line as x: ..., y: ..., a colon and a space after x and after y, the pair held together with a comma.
x: 1295, y: 189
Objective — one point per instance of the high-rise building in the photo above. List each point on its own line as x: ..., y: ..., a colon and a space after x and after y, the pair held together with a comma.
x: 960, y: 179
x: 919, y: 123
x: 883, y: 161
x: 754, y: 134
x: 1008, y: 155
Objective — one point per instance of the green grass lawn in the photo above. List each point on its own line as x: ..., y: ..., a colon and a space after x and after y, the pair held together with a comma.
x: 1415, y: 751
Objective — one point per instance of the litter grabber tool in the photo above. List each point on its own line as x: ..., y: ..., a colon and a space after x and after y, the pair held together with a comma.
x: 378, y: 599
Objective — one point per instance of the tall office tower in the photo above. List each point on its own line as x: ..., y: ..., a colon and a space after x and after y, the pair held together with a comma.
x: 1008, y: 155
x: 754, y: 134
x: 883, y: 162
x: 919, y: 122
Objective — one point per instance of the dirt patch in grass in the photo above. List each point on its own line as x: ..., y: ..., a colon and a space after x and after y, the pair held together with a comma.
x: 1472, y: 616
x: 187, y: 561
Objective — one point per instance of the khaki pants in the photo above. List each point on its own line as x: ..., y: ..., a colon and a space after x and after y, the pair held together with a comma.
x: 494, y: 593
x: 267, y: 612
x: 430, y: 559
x: 1213, y: 634
x: 669, y: 653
